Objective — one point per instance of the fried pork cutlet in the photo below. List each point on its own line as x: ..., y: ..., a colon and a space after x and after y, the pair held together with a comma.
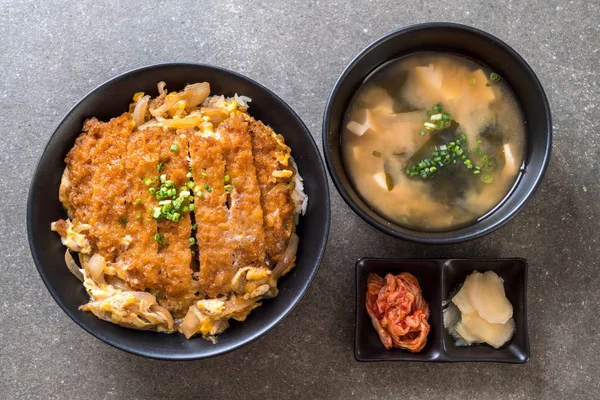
x: 276, y: 177
x: 181, y: 223
x: 214, y: 235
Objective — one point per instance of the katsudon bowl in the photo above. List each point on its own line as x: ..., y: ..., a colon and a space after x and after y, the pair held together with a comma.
x: 455, y: 40
x: 110, y: 100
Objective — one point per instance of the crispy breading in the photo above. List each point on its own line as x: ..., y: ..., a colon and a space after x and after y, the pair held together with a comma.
x: 244, y: 194
x: 270, y: 153
x: 214, y: 235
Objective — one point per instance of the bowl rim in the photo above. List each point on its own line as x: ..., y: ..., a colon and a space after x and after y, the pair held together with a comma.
x: 153, y: 354
x: 415, y: 235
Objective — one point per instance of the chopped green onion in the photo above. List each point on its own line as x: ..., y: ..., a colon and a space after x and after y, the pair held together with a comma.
x: 488, y: 84
x: 494, y: 77
x: 226, y: 178
x: 422, y: 133
x: 234, y: 183
x: 184, y: 193
x: 160, y: 165
x: 160, y: 239
x: 188, y: 175
x: 163, y: 178
x: 359, y: 104
x: 437, y: 108
x: 192, y: 207
x: 436, y: 117
x: 138, y: 217
x: 195, y: 226
x: 472, y: 81
x: 208, y: 188
x: 446, y: 117
x: 152, y: 190
x: 476, y: 172
x: 148, y: 181
x: 429, y: 125
x: 138, y: 201
x: 204, y: 174
x: 190, y: 184
x: 192, y: 241
x: 174, y: 148
x: 478, y: 141
x: 228, y: 188
x: 376, y: 153
x: 486, y: 178
x: 479, y: 152
x: 122, y: 221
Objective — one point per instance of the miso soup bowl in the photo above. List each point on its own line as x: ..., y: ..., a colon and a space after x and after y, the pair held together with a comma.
x: 484, y: 49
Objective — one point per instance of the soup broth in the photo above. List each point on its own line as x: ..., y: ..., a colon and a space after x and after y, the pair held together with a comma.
x: 433, y: 141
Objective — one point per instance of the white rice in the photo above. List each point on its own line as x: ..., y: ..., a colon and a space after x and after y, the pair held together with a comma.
x: 298, y: 196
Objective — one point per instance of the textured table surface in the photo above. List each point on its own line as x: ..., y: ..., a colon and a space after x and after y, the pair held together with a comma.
x: 53, y: 53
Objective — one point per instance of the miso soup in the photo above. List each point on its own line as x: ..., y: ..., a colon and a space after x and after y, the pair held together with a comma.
x: 433, y: 141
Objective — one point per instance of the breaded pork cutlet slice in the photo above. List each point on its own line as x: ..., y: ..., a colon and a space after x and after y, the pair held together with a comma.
x: 105, y: 176
x: 276, y: 177
x: 214, y: 234
x: 176, y: 277
x: 241, y: 185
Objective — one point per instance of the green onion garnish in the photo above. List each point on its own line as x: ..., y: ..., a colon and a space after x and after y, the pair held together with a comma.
x: 376, y: 153
x: 494, y: 77
x: 226, y: 178
x: 486, y: 178
x: 160, y: 239
x: 192, y: 241
x: 228, y: 188
x: 422, y: 133
x: 148, y: 181
x: 138, y: 217
x: 123, y: 221
x: 437, y: 108
x: 192, y: 208
x: 160, y: 165
x: 472, y: 81
x: 138, y: 201
x: 174, y: 148
x: 204, y: 174
x: 208, y: 188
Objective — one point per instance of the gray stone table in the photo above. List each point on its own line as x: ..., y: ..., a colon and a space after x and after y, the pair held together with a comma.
x: 54, y: 52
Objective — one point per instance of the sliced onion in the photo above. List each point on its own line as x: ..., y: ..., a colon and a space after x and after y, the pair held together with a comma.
x: 96, y: 265
x: 196, y: 93
x: 289, y: 256
x: 169, y: 103
x: 139, y: 112
x: 161, y: 88
x: 149, y: 297
x: 187, y: 122
x: 72, y: 265
x: 149, y: 123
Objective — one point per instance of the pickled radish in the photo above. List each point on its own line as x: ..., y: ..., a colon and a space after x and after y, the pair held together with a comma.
x: 493, y: 334
x: 486, y: 294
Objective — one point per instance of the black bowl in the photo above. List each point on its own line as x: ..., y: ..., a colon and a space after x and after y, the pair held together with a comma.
x: 474, y: 44
x: 110, y: 100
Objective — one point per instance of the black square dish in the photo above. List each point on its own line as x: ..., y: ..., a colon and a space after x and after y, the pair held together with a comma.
x: 438, y: 278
